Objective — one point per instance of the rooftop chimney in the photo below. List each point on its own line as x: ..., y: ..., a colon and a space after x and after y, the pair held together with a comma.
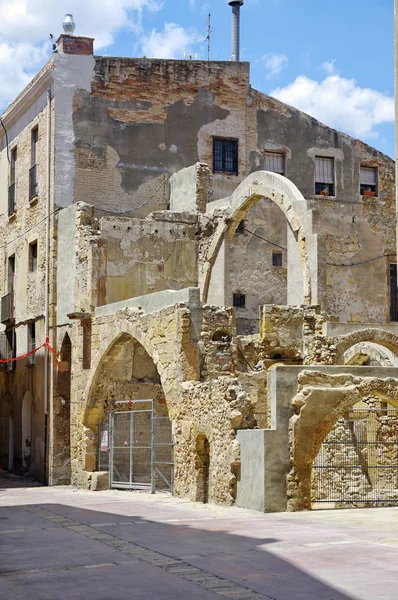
x: 236, y: 4
x: 68, y: 43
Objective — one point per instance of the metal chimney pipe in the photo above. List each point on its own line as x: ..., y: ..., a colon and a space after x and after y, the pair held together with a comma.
x: 236, y: 4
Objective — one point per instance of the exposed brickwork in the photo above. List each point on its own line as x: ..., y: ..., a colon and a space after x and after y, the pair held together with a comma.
x: 70, y: 44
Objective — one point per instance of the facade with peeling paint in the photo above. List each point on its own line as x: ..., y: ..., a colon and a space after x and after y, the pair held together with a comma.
x: 201, y: 235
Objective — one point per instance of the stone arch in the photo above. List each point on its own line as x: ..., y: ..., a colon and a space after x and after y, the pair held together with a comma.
x: 377, y: 336
x: 258, y: 185
x: 27, y: 408
x: 322, y: 400
x: 370, y: 354
x: 110, y: 378
x: 123, y: 332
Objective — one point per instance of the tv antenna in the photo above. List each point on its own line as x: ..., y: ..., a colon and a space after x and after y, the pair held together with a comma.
x: 208, y: 38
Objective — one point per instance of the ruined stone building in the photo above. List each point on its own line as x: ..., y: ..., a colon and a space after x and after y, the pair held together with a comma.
x: 221, y: 288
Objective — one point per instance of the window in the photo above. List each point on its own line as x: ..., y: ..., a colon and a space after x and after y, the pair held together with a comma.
x: 239, y: 300
x: 368, y: 181
x: 277, y: 259
x: 225, y: 155
x: 324, y: 176
x: 275, y: 162
x: 31, y: 343
x: 12, y: 185
x: 33, y: 163
x: 33, y: 257
x: 11, y: 274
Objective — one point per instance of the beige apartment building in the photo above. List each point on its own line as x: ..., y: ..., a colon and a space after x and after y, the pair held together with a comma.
x: 217, y: 275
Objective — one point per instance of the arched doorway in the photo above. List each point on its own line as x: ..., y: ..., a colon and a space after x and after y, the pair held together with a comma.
x: 61, y: 422
x: 6, y: 433
x: 203, y: 468
x: 357, y: 464
x: 127, y: 412
x: 284, y: 212
x: 27, y: 407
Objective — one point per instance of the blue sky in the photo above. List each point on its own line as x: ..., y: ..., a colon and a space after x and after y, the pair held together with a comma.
x: 333, y: 59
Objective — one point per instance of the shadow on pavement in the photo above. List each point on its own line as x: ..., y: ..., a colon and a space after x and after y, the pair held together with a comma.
x: 10, y: 481
x: 58, y: 552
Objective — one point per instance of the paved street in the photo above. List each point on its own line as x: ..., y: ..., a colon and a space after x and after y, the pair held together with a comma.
x: 59, y: 543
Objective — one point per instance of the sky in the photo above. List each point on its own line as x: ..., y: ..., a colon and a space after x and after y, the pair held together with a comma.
x: 330, y: 58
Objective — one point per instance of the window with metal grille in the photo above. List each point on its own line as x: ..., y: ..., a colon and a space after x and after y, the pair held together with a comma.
x: 239, y: 300
x: 33, y: 185
x: 225, y: 155
x: 13, y: 183
x: 275, y: 162
x: 277, y: 259
x: 368, y: 181
x: 33, y: 257
x: 324, y: 176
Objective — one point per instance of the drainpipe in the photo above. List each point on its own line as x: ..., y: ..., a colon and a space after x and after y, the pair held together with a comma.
x: 47, y: 283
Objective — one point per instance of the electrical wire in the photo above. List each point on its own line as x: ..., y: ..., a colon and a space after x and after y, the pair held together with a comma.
x: 126, y: 212
x: 329, y: 264
x: 5, y: 131
x: 30, y: 229
x: 362, y: 262
x: 264, y: 239
x: 245, y: 359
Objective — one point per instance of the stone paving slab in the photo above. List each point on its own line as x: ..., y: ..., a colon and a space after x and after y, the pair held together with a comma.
x: 66, y: 544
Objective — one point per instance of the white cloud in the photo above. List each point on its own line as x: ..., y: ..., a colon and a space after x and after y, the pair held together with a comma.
x: 274, y: 63
x: 25, y: 26
x: 329, y: 67
x: 31, y: 21
x: 340, y: 103
x: 172, y: 42
x: 18, y: 64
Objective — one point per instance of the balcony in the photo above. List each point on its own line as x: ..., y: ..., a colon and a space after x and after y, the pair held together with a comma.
x: 11, y: 199
x: 7, y: 308
x: 33, y: 186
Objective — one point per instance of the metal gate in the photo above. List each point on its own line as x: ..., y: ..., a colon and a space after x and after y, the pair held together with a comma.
x: 358, y: 462
x: 140, y: 451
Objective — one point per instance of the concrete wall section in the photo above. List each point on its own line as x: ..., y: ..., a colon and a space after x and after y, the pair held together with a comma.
x: 250, y: 487
x: 66, y: 271
x: 71, y: 73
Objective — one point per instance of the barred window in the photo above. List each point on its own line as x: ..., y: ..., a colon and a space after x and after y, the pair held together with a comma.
x: 225, y: 155
x: 239, y: 300
x: 275, y: 162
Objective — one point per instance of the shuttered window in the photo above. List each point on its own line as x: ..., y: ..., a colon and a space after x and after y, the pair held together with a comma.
x: 368, y: 180
x: 275, y: 162
x: 324, y: 176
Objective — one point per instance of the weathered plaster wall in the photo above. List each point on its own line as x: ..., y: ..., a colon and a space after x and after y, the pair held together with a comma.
x: 249, y: 267
x: 351, y: 228
x: 138, y: 257
x: 144, y: 119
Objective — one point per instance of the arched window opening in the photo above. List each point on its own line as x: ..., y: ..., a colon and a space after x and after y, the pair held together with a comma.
x: 357, y: 465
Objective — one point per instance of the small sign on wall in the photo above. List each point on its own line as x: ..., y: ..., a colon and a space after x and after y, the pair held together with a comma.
x: 104, y: 441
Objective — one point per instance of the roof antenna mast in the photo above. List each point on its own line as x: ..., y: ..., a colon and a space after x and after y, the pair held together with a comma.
x: 208, y: 39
